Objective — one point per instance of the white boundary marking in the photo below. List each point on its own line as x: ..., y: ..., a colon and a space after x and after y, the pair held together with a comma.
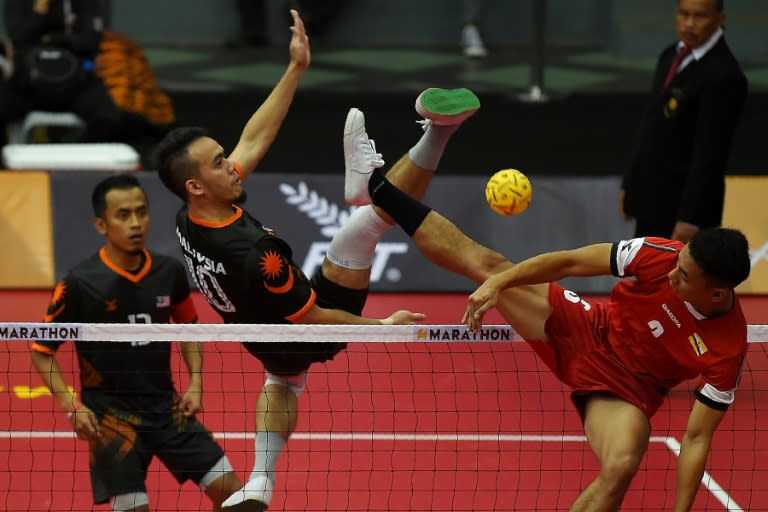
x: 670, y: 442
x: 710, y: 483
x: 353, y: 436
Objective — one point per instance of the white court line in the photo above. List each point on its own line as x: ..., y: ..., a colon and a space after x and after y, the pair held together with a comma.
x: 671, y: 443
x: 353, y: 436
x: 710, y: 483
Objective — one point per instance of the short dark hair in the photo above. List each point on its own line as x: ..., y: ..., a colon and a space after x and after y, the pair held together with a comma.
x: 722, y: 254
x: 172, y: 160
x: 115, y: 182
x: 719, y: 5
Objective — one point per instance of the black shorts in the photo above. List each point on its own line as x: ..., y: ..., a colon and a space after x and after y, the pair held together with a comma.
x: 289, y: 358
x: 119, y: 460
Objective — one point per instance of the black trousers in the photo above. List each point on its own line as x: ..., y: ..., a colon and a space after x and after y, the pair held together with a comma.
x: 654, y: 228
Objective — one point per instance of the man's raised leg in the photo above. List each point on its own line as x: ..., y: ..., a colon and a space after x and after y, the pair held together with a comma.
x: 346, y: 269
x: 442, y: 110
x: 350, y: 254
x: 526, y: 308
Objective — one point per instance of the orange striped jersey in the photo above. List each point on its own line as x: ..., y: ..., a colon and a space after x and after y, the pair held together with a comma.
x: 245, y: 271
x: 128, y: 376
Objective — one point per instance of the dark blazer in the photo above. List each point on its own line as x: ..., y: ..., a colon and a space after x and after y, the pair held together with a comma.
x: 677, y: 171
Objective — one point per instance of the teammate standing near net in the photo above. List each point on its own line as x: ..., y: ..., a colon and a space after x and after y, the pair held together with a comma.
x: 247, y: 273
x: 130, y: 410
x: 674, y: 317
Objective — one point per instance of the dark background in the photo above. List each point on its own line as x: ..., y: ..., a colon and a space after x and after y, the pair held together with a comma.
x: 594, y: 59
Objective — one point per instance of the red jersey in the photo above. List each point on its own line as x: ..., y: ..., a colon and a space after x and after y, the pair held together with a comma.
x: 662, y: 339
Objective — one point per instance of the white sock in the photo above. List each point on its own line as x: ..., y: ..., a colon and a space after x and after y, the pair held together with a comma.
x: 429, y: 149
x: 354, y: 244
x: 269, y: 446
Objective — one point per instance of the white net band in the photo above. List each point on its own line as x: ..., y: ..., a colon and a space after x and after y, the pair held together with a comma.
x: 304, y: 333
x: 253, y: 332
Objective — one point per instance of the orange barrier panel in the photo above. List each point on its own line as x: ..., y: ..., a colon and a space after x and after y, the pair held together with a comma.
x: 745, y: 210
x: 26, y: 234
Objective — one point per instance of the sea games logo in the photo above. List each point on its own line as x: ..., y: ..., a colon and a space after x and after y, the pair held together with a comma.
x: 329, y: 217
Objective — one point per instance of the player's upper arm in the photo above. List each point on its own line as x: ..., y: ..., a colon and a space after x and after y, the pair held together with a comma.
x: 183, y: 310
x: 63, y: 307
x: 623, y: 254
x: 719, y: 382
x: 642, y: 257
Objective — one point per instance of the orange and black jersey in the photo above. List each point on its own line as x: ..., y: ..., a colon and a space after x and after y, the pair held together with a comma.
x: 128, y: 376
x: 244, y: 270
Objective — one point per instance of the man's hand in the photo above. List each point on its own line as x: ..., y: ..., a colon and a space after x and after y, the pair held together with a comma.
x: 85, y: 423
x: 403, y: 317
x: 480, y: 302
x: 192, y: 401
x: 299, y: 47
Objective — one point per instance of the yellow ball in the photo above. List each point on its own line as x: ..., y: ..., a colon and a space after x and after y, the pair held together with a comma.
x: 508, y: 192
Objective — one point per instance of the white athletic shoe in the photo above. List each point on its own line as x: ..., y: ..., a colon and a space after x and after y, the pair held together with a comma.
x: 255, y: 496
x: 360, y: 159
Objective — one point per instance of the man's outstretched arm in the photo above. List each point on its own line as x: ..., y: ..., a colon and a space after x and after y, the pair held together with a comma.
x: 261, y: 129
x: 591, y: 260
x: 443, y: 243
x: 318, y: 315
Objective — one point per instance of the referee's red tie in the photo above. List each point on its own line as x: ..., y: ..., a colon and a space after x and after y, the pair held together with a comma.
x: 681, y: 54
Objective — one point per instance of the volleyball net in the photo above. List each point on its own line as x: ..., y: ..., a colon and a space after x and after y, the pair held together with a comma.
x: 422, y: 417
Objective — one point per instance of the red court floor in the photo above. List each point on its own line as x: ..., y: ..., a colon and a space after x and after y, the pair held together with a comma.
x: 395, y: 426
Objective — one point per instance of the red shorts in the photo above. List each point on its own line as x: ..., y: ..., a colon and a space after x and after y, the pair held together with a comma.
x: 578, y: 353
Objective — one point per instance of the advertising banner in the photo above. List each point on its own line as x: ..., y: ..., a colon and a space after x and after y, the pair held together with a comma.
x: 26, y: 258
x: 307, y: 209
x: 743, y: 197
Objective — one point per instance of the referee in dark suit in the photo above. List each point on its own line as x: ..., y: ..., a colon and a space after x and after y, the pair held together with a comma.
x: 675, y: 184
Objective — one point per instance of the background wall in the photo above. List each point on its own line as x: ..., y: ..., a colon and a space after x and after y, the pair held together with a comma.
x: 367, y: 22
x: 629, y: 28
x: 639, y: 28
x: 585, y: 133
x: 307, y: 209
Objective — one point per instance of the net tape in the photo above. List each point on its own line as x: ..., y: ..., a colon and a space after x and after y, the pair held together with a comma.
x: 418, y: 333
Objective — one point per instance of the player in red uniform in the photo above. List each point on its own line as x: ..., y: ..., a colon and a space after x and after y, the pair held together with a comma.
x: 130, y: 410
x: 675, y: 319
x: 675, y: 316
